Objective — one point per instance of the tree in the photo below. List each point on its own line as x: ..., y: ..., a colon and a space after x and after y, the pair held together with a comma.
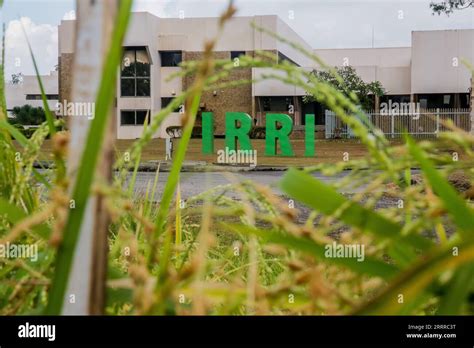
x: 351, y: 83
x: 17, y: 78
x: 28, y: 115
x: 450, y: 6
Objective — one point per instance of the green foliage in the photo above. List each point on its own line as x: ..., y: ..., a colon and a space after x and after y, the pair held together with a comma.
x: 28, y: 115
x: 17, y: 78
x: 241, y: 248
x: 450, y: 6
x: 348, y: 82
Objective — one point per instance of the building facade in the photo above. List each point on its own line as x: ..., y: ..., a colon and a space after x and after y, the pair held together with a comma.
x: 27, y: 92
x: 429, y: 72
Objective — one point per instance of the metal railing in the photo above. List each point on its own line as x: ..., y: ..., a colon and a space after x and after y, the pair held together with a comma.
x: 425, y: 123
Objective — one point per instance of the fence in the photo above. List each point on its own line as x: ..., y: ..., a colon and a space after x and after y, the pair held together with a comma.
x: 424, y: 123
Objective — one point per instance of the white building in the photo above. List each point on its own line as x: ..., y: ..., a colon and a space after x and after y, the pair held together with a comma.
x: 429, y: 72
x: 27, y: 92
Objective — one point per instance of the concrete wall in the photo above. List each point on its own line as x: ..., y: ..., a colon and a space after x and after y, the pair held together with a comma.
x: 238, y: 35
x: 390, y: 66
x: 286, y: 32
x: 272, y: 86
x: 436, y: 61
x: 15, y: 95
x: 381, y: 57
x: 170, y: 86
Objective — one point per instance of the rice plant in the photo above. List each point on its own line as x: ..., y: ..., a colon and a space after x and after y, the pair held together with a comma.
x: 262, y: 253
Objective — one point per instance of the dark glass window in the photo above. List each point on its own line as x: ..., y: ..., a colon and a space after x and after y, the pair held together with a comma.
x: 236, y: 54
x: 165, y: 101
x: 133, y: 117
x: 141, y: 116
x: 143, y: 87
x: 280, y: 104
x: 39, y: 97
x: 433, y: 101
x: 282, y: 57
x: 127, y: 87
x: 127, y: 118
x: 135, y: 73
x: 171, y: 58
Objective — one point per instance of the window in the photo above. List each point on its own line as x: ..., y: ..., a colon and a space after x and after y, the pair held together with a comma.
x: 133, y: 117
x: 165, y: 101
x: 280, y: 104
x: 171, y: 58
x: 282, y: 57
x: 38, y: 97
x: 236, y: 54
x: 135, y: 73
x: 433, y: 101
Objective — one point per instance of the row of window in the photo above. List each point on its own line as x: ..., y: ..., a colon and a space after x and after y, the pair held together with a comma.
x: 135, y: 70
x: 133, y: 117
x: 38, y: 97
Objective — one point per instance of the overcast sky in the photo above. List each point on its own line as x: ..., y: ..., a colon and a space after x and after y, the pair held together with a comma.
x: 322, y: 23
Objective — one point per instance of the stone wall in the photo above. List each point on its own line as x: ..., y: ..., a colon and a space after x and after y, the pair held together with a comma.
x: 65, y: 76
x: 222, y: 100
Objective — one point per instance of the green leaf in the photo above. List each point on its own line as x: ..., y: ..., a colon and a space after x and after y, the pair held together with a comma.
x: 173, y: 177
x: 15, y: 214
x: 462, y: 215
x: 15, y: 133
x: 325, y: 199
x: 457, y: 292
x: 415, y: 280
x: 369, y: 266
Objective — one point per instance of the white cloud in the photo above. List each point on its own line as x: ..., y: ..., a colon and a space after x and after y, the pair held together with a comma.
x: 44, y: 43
x: 69, y: 15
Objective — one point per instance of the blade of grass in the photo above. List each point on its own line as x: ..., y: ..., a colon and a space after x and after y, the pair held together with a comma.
x: 137, y: 161
x: 15, y: 214
x: 173, y: 176
x: 462, y: 215
x: 89, y: 161
x: 178, y: 232
x: 369, y: 266
x: 47, y: 111
x: 413, y: 281
x: 323, y: 198
x: 14, y: 132
x: 23, y: 141
x: 457, y: 292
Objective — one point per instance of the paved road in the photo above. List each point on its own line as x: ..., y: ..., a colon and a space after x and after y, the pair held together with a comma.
x: 195, y: 183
